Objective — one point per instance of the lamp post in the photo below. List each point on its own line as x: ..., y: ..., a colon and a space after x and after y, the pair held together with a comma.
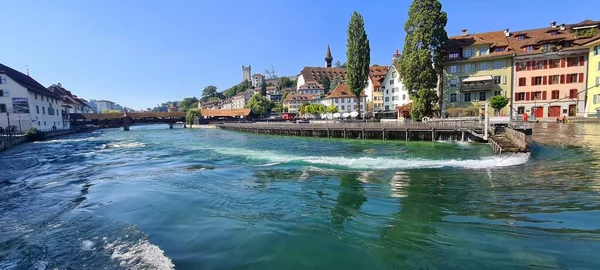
x: 20, y: 130
x: 8, y: 118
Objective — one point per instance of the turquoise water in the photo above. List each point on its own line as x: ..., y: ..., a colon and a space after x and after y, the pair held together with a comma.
x: 155, y: 198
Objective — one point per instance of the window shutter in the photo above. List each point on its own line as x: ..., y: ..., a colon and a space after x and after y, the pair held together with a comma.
x: 544, y: 95
x: 504, y: 79
x: 544, y: 80
x: 527, y: 95
x: 549, y: 79
x: 518, y: 66
x: 545, y: 64
x: 562, y: 62
x: 581, y: 59
x: 532, y: 80
x: 595, y: 99
x: 562, y: 79
x: 581, y: 77
x: 528, y: 65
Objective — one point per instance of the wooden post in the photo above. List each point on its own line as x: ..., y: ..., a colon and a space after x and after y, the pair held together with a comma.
x: 433, y: 135
x: 363, y: 134
x: 383, y: 134
x: 406, y: 133
x: 344, y: 133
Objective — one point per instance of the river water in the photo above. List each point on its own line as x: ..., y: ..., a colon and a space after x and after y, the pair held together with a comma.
x: 154, y: 198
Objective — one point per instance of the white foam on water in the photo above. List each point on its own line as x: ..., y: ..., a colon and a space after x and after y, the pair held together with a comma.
x: 381, y: 163
x: 87, y: 245
x: 139, y: 255
x: 124, y: 145
x: 40, y: 265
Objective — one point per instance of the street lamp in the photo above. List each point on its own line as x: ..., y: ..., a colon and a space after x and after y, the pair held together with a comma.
x: 19, y: 117
x: 8, y: 118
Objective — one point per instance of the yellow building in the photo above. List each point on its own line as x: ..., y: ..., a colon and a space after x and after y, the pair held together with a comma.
x: 592, y: 107
x: 478, y: 67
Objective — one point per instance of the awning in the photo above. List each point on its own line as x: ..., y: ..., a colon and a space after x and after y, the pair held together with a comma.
x: 478, y: 78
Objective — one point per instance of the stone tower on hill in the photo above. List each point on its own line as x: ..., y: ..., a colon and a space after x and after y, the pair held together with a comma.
x: 328, y: 57
x: 247, y: 73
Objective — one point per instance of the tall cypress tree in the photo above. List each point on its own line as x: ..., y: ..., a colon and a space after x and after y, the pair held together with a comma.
x: 424, y: 50
x: 358, y: 57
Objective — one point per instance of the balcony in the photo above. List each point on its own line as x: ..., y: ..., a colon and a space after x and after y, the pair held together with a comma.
x: 477, y: 87
x: 477, y: 83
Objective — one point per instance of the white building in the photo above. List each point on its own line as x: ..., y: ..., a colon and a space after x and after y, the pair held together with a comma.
x: 294, y: 101
x: 395, y: 93
x: 240, y: 100
x: 226, y: 105
x: 103, y: 105
x: 344, y: 100
x: 26, y: 103
x: 373, y: 88
x: 258, y: 80
x: 311, y: 88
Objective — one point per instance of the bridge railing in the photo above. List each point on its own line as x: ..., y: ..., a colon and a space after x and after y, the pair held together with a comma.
x: 330, y: 124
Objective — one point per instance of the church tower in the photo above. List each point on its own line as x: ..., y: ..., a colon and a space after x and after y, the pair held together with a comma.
x: 395, y: 57
x: 328, y: 57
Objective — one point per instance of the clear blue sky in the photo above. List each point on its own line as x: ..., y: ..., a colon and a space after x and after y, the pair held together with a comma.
x: 140, y: 53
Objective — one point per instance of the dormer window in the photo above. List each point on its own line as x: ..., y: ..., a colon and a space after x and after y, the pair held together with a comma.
x: 483, y: 51
x: 453, y: 55
x: 467, y: 53
x: 529, y: 48
x: 553, y: 33
x: 521, y: 37
x: 499, y: 49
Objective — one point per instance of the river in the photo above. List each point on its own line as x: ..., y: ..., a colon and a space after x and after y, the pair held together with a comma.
x: 154, y: 198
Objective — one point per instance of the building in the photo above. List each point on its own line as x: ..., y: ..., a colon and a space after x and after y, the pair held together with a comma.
x: 550, y: 69
x: 70, y: 104
x: 316, y: 74
x: 311, y: 87
x: 344, y: 100
x: 592, y: 107
x: 103, y: 105
x: 394, y: 92
x: 240, y: 100
x: 478, y: 66
x: 246, y: 73
x: 25, y: 103
x: 328, y: 57
x: 373, y: 89
x: 274, y: 97
x: 293, y: 101
x: 258, y: 80
x: 226, y: 104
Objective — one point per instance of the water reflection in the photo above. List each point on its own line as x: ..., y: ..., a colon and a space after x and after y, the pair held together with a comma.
x: 350, y: 198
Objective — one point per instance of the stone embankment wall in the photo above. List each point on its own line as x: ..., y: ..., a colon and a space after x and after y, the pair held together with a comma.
x: 8, y: 142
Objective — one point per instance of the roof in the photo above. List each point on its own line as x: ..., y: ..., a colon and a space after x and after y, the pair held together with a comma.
x: 342, y: 91
x: 316, y: 73
x: 300, y: 97
x: 328, y: 56
x: 66, y: 96
x: 256, y: 75
x: 225, y: 112
x: 496, y: 39
x: 26, y: 81
x: 377, y: 74
x: 311, y: 85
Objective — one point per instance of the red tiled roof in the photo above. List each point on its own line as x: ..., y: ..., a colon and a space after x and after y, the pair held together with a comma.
x: 311, y: 85
x: 316, y: 73
x: 342, y: 91
x: 377, y: 74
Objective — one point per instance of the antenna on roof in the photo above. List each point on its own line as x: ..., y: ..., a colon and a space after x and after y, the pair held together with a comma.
x: 27, y: 70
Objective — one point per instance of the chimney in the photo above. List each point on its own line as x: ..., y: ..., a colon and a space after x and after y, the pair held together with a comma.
x: 553, y: 24
x: 562, y: 27
x: 507, y: 32
x: 463, y: 32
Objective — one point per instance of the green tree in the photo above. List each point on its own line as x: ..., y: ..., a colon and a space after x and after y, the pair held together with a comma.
x: 263, y: 89
x: 284, y: 82
x: 325, y: 82
x: 358, y: 55
x: 424, y: 49
x: 278, y: 107
x: 188, y: 103
x: 191, y: 115
x: 302, y: 107
x: 209, y: 91
x: 260, y: 105
x: 339, y: 64
x: 498, y: 103
x: 334, y: 84
x: 331, y: 109
x: 111, y: 111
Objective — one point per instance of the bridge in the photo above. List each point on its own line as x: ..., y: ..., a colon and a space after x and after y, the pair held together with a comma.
x: 126, y: 119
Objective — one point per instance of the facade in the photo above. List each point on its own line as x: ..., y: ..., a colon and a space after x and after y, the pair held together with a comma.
x: 240, y: 100
x: 373, y: 89
x: 258, y: 80
x: 478, y: 67
x: 274, y: 97
x: 394, y: 92
x: 315, y: 74
x: 592, y: 108
x: 26, y: 103
x: 246, y: 73
x: 227, y: 104
x: 344, y: 100
x: 311, y: 88
x: 102, y: 105
x: 293, y: 101
x: 70, y: 104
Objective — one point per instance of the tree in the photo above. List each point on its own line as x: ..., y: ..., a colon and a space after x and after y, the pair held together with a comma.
x: 498, y: 103
x: 325, y: 82
x: 209, y: 91
x: 191, y: 115
x: 424, y: 49
x: 331, y: 109
x: 334, y: 84
x: 339, y: 64
x: 263, y: 89
x: 358, y: 55
x: 260, y: 105
x: 111, y: 111
x: 302, y: 107
x: 284, y: 82
x: 271, y: 73
x: 278, y: 107
x: 188, y: 103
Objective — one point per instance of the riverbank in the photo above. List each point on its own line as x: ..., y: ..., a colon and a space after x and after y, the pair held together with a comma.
x: 7, y: 142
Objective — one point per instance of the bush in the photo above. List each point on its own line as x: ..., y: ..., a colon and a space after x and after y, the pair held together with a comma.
x: 33, y: 134
x: 463, y: 112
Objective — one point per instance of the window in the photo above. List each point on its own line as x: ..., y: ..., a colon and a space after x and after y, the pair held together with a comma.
x: 596, y: 99
x: 467, y: 97
x: 37, y: 109
x: 555, y: 79
x: 555, y: 94
x: 2, y: 80
x: 521, y: 37
x: 497, y: 79
x: 387, y: 91
x: 43, y: 110
x: 572, y: 61
x: 2, y: 108
x: 519, y: 96
x: 453, y: 82
x: 39, y: 123
x: 522, y: 66
x: 482, y: 96
x: 3, y: 93
x: 537, y: 95
x: 44, y: 123
x: 453, y: 55
x: 529, y: 49
x: 537, y: 80
x: 598, y: 80
x: 453, y: 69
x: 521, y: 110
x: 553, y: 33
x: 468, y: 53
x: 598, y: 65
x: 453, y: 97
x: 555, y: 63
x: 596, y: 50
x: 573, y: 93
x: 499, y: 49
x: 35, y: 94
x: 387, y: 99
x: 572, y: 78
x: 393, y: 90
x: 547, y: 47
x: 522, y: 81
x: 483, y: 51
x: 498, y: 65
x: 468, y: 68
x: 497, y: 93
x: 483, y: 66
x: 394, y: 98
x: 343, y: 107
x: 538, y: 65
x: 403, y: 96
